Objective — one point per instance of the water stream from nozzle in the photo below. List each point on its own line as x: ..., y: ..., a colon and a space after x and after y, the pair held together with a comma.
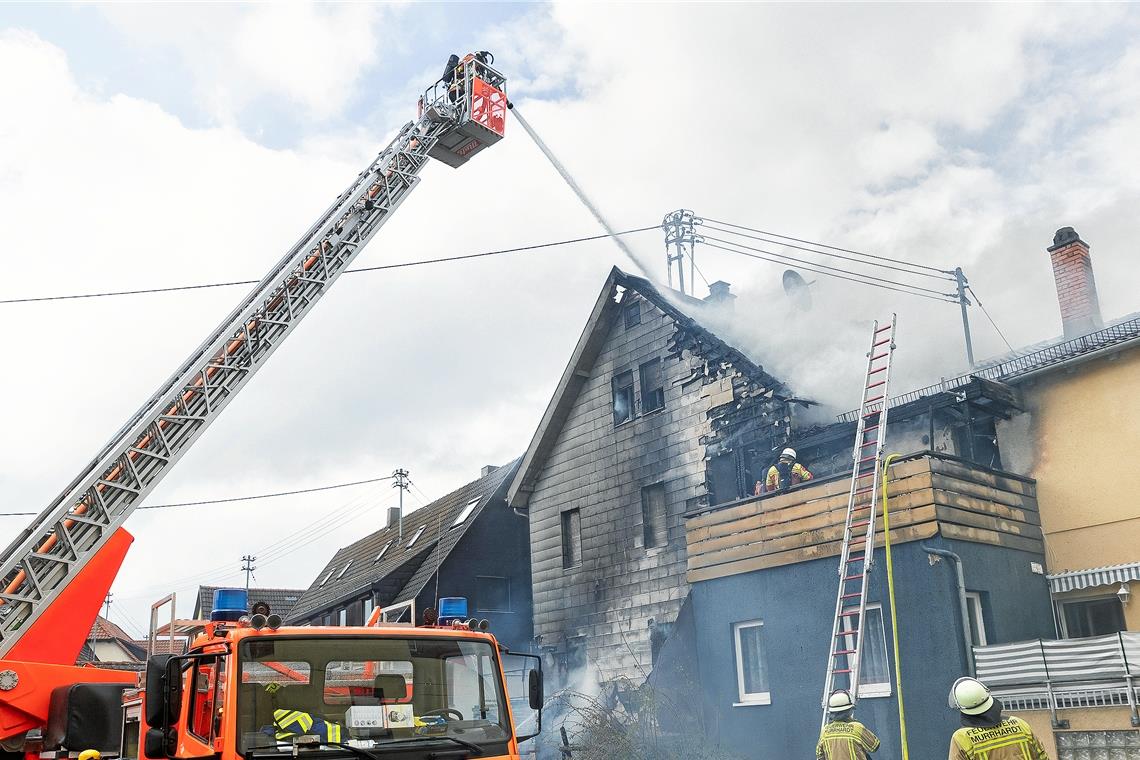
x: 579, y: 192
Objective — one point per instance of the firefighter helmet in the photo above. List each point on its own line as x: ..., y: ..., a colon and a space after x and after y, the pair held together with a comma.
x: 90, y: 754
x: 970, y: 696
x: 790, y: 453
x: 839, y: 701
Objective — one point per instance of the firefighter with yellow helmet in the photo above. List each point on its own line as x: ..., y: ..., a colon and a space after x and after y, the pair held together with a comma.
x: 985, y: 734
x: 844, y: 738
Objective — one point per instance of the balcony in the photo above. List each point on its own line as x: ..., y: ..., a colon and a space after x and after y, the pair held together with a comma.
x: 1099, y: 671
x: 930, y: 494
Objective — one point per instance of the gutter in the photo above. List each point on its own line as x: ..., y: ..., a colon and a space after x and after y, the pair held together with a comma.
x: 967, y: 634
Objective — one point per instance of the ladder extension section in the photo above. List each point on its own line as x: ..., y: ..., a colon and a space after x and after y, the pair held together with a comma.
x: 39, y: 562
x: 857, y: 555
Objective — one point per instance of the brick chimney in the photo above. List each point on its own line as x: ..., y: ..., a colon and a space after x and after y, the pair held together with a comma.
x: 719, y: 295
x: 393, y: 516
x: 1076, y: 287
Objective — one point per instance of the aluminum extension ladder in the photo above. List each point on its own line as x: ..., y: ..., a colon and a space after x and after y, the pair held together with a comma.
x: 857, y: 556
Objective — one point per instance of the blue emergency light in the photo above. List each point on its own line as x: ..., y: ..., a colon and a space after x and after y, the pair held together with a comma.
x: 230, y: 604
x: 452, y: 608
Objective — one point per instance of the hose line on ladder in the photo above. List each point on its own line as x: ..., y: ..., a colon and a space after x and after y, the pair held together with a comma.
x: 894, y: 611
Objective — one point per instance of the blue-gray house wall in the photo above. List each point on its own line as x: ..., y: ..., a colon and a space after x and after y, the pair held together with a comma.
x: 796, y: 603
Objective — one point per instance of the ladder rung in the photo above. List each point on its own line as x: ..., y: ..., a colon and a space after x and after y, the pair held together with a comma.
x: 850, y: 596
x: 872, y: 400
x: 880, y: 343
x: 876, y: 384
x: 869, y: 459
x: 860, y: 558
x: 877, y: 369
x: 853, y: 577
x: 872, y: 442
x: 880, y: 356
x: 847, y: 633
x: 860, y: 523
x: 868, y: 429
x: 842, y: 670
x: 884, y: 328
x: 843, y: 651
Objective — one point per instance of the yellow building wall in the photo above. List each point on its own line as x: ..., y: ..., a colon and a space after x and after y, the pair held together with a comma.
x: 1084, y: 719
x: 1084, y: 432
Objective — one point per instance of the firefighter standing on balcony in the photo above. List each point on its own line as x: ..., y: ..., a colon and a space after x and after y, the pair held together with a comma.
x: 984, y: 734
x: 844, y: 738
x: 785, y: 473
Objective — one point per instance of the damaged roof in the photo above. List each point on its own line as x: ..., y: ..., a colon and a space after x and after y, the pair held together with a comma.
x: 385, y: 564
x: 690, y: 336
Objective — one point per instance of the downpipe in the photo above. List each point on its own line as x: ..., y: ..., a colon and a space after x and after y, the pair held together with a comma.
x: 967, y: 634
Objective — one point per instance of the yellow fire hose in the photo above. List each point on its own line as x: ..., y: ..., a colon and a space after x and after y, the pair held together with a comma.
x: 894, y: 610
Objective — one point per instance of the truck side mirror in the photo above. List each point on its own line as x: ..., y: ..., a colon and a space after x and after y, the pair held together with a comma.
x: 534, y: 687
x: 163, y: 694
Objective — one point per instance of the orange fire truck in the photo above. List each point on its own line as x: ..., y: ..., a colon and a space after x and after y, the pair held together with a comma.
x: 247, y: 685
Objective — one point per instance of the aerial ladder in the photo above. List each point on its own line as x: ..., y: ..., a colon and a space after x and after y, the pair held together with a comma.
x: 55, y: 573
x: 856, y: 555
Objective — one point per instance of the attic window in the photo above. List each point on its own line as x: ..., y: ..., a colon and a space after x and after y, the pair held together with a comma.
x: 326, y: 580
x: 345, y: 570
x: 652, y: 386
x: 383, y: 551
x: 632, y: 314
x: 415, y: 536
x: 462, y: 518
x: 623, y: 397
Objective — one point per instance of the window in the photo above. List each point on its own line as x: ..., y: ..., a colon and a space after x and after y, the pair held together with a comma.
x: 465, y: 513
x: 652, y: 387
x: 492, y: 594
x: 654, y: 523
x: 1092, y: 617
x: 623, y: 397
x: 977, y: 621
x: 571, y: 538
x: 632, y: 314
x: 415, y: 536
x: 751, y: 670
x: 368, y: 607
x: 874, y: 671
x: 345, y: 570
x: 326, y: 578
x: 342, y: 617
x: 383, y: 549
x: 207, y: 696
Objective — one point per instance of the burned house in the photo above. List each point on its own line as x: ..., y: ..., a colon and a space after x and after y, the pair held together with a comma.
x: 467, y: 543
x: 643, y: 427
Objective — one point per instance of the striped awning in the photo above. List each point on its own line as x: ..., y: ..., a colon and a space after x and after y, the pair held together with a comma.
x: 1097, y: 576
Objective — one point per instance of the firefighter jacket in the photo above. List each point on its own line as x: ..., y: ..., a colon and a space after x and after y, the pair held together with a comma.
x: 780, y: 476
x: 290, y: 723
x: 1012, y: 739
x: 845, y: 740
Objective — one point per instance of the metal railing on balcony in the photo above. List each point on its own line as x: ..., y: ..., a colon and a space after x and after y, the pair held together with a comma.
x: 1099, y: 671
x: 1022, y: 364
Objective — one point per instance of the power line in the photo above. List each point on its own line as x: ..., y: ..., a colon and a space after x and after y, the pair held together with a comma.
x: 359, y: 270
x: 239, y: 498
x: 949, y: 278
x: 978, y: 301
x: 830, y: 274
x: 832, y: 247
x: 781, y: 258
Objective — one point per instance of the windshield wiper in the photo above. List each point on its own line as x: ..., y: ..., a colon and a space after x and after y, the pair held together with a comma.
x: 475, y: 748
x: 299, y: 747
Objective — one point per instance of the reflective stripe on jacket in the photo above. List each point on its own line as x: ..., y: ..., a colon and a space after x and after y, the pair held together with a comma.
x: 798, y: 475
x: 845, y: 740
x: 290, y: 723
x: 1012, y: 739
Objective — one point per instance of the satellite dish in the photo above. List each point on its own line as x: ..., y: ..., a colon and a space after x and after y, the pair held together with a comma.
x: 796, y: 287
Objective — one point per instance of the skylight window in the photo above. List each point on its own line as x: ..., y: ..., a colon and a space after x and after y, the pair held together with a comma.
x: 383, y: 551
x: 345, y: 570
x: 326, y: 580
x: 415, y: 536
x: 465, y: 513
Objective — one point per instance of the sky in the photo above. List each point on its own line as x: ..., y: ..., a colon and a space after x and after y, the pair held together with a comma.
x: 150, y: 145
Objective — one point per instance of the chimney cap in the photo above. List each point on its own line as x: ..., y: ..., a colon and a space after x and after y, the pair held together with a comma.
x: 487, y: 470
x: 720, y: 287
x: 1064, y: 237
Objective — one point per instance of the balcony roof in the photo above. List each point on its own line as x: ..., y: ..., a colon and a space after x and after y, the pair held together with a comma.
x: 930, y: 494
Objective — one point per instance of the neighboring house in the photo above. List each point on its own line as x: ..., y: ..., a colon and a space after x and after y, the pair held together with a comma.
x: 280, y: 600
x: 108, y: 642
x: 468, y: 543
x: 651, y: 408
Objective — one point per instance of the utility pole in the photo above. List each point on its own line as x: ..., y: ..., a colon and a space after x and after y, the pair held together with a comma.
x: 963, y: 302
x: 402, y: 482
x: 248, y: 567
x: 680, y: 240
x: 107, y: 605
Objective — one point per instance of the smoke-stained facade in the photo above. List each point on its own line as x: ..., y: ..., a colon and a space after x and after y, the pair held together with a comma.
x: 649, y: 399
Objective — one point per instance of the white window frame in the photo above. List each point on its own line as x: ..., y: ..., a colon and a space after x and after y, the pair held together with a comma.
x: 874, y: 690
x: 326, y: 580
x: 344, y: 570
x: 1091, y: 595
x: 465, y: 513
x: 747, y: 698
x: 415, y: 537
x: 974, y: 603
x: 342, y: 617
x: 383, y: 551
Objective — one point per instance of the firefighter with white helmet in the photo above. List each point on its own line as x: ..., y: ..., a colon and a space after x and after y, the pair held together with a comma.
x: 844, y: 738
x: 785, y: 473
x: 984, y: 734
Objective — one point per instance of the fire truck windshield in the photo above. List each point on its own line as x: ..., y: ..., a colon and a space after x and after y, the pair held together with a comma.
x: 369, y: 691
